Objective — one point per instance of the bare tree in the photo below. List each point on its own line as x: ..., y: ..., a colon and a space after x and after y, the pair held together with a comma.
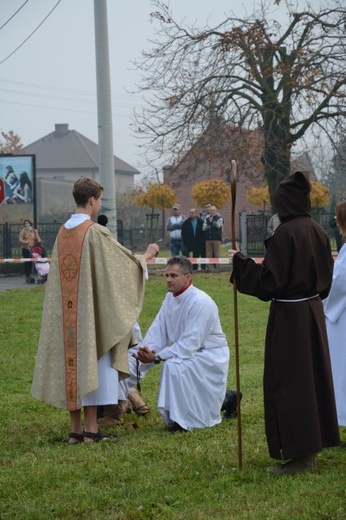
x: 247, y: 73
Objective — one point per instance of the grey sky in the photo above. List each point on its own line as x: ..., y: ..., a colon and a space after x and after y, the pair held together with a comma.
x: 51, y: 78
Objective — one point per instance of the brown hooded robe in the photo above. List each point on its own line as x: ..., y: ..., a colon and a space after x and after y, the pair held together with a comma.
x: 300, y: 414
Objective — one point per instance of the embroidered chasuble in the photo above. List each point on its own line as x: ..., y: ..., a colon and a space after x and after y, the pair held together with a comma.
x: 94, y: 295
x: 70, y: 243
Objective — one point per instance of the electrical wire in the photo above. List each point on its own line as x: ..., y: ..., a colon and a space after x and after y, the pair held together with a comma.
x: 132, y: 97
x: 3, y: 25
x: 56, y: 108
x: 33, y: 32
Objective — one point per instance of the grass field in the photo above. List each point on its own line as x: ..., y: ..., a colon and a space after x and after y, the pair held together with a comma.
x: 149, y: 473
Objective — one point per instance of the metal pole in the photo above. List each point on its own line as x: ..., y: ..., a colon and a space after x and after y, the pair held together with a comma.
x: 104, y: 114
x: 243, y: 227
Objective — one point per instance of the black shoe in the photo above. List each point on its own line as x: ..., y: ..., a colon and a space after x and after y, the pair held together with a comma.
x: 176, y: 428
x: 229, y: 405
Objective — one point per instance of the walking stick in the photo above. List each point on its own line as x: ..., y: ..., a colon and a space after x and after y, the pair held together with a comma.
x: 235, y: 303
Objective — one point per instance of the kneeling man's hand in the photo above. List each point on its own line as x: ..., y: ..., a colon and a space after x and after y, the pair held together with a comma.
x: 145, y: 355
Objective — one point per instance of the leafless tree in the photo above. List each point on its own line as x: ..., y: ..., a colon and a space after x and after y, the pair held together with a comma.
x: 250, y: 73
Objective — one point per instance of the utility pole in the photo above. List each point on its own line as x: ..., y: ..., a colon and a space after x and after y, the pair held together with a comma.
x: 104, y: 114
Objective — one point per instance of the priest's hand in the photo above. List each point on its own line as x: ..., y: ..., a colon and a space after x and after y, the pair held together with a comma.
x: 145, y: 355
x: 151, y: 252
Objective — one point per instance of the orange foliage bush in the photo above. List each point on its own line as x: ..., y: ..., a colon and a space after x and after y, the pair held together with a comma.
x: 319, y: 194
x: 159, y: 196
x: 214, y: 191
x: 258, y: 196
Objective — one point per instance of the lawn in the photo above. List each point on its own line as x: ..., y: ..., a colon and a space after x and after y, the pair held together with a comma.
x: 149, y: 473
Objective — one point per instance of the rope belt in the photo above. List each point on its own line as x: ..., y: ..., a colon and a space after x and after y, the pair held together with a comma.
x: 295, y: 301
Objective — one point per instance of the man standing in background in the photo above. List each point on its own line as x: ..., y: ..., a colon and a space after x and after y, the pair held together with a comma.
x: 212, y: 228
x: 174, y: 225
x: 193, y: 236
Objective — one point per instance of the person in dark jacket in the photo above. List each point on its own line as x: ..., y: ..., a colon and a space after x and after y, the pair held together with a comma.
x: 193, y: 236
x: 299, y: 402
x: 337, y: 234
x: 212, y: 227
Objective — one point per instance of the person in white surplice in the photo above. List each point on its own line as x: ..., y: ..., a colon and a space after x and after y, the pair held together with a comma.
x: 335, y: 313
x: 187, y: 335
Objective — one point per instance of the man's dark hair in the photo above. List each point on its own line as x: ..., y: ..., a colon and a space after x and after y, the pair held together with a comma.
x: 185, y: 266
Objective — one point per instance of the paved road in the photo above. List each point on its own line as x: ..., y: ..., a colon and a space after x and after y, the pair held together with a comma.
x: 14, y: 282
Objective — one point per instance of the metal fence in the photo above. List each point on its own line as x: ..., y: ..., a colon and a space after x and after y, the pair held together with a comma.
x: 255, y: 231
x: 135, y: 239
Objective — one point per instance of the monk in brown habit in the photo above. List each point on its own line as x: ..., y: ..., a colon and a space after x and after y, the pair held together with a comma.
x: 299, y: 403
x: 93, y: 297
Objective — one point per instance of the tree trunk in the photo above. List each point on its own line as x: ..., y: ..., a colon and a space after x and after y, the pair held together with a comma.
x: 277, y: 146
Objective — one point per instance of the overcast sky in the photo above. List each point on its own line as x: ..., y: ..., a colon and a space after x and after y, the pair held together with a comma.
x: 51, y: 77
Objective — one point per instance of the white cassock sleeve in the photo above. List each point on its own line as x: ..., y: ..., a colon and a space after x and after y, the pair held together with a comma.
x: 335, y: 303
x: 175, y: 334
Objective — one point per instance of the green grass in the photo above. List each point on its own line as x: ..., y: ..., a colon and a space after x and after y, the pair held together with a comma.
x: 148, y: 473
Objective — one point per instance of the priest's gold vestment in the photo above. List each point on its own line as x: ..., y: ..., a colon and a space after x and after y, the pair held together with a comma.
x: 93, y: 298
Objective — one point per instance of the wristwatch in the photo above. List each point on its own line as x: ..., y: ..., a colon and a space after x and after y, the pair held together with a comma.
x: 157, y: 360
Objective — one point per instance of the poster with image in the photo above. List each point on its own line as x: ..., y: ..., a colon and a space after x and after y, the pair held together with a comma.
x: 17, y: 186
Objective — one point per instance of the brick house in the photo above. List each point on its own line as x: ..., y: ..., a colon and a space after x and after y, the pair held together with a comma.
x: 210, y: 157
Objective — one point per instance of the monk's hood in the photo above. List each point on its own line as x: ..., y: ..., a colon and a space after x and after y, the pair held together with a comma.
x: 292, y: 196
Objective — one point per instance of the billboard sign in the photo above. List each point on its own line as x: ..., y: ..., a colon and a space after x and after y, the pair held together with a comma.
x: 17, y: 187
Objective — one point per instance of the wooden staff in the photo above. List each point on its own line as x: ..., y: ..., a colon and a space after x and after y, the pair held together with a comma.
x: 235, y: 303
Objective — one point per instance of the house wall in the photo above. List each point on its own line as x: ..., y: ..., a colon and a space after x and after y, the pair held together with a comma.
x: 54, y: 198
x: 54, y: 190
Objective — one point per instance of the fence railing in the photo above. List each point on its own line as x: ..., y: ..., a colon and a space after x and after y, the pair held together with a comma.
x: 253, y: 229
x: 10, y: 247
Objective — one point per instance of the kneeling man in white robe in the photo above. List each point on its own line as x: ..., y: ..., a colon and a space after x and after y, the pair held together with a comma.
x: 187, y: 335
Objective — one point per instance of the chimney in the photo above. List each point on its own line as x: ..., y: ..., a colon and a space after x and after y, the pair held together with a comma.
x: 61, y: 130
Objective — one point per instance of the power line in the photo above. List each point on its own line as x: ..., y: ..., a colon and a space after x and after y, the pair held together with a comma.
x: 33, y: 32
x: 57, y: 108
x: 70, y: 90
x: 65, y: 99
x: 3, y: 25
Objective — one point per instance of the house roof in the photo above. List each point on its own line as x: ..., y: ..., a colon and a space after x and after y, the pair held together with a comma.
x: 64, y: 149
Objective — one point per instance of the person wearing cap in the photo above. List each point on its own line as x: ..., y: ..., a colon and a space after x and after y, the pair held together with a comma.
x: 174, y: 225
x: 296, y: 274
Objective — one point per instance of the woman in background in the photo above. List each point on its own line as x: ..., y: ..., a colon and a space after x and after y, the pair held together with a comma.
x: 28, y: 237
